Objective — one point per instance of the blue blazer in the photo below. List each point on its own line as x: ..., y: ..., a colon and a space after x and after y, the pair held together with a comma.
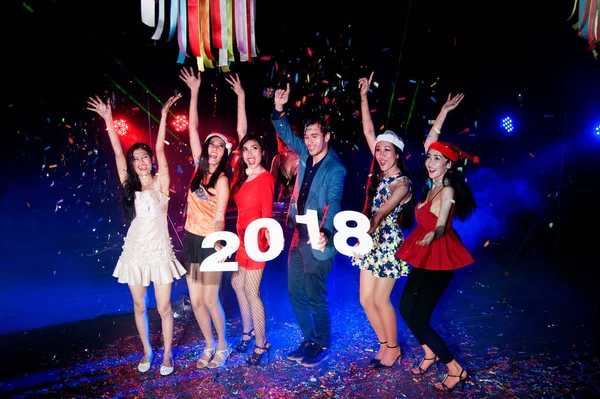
x: 327, y: 187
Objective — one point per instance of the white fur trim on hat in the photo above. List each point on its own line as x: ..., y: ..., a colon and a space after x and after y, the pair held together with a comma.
x: 222, y: 137
x: 390, y: 137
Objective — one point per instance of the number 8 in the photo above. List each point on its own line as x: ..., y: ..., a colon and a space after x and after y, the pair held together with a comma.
x: 340, y: 240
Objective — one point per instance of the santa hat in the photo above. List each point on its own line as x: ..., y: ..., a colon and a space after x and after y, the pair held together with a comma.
x: 452, y: 152
x: 228, y: 141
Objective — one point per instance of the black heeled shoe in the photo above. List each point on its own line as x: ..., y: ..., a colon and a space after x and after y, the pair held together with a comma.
x: 244, y: 344
x: 374, y: 361
x: 255, y: 358
x: 436, y: 362
x: 383, y: 366
x: 461, y: 380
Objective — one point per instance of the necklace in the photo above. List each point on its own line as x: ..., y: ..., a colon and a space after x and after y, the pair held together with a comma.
x: 438, y: 183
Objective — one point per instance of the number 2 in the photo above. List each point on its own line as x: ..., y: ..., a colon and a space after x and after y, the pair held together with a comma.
x: 215, y: 262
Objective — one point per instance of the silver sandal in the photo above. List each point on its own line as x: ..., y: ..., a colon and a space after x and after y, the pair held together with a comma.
x: 210, y: 352
x: 223, y: 354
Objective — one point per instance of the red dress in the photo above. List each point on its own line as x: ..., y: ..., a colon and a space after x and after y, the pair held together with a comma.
x: 444, y: 253
x: 254, y: 200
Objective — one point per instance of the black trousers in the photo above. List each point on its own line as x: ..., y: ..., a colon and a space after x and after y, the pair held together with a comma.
x: 422, y: 292
x: 307, y: 289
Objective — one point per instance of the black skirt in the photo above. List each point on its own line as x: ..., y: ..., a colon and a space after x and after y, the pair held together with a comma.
x: 194, y: 254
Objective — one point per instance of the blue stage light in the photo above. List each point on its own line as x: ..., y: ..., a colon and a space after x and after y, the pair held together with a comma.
x: 507, y: 124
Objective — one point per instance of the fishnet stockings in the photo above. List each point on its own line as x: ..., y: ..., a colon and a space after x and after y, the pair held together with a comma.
x: 246, y: 284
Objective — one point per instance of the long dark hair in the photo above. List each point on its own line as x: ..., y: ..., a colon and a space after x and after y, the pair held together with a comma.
x: 132, y: 183
x: 202, y: 169
x: 240, y: 176
x: 406, y: 218
x: 464, y: 201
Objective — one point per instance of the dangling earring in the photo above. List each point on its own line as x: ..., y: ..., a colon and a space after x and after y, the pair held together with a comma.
x: 429, y: 183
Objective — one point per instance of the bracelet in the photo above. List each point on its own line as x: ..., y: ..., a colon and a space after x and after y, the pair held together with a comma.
x: 435, y: 129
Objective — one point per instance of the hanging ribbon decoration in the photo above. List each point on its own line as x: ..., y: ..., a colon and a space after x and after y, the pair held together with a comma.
x: 161, y: 20
x: 173, y: 15
x: 588, y: 24
x: 207, y: 56
x: 182, y: 31
x: 244, y: 11
x: 204, y: 25
x: 193, y: 13
x: 241, y: 30
x: 219, y: 23
x: 148, y: 13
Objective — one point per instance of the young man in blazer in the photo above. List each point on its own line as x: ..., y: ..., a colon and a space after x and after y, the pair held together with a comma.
x: 319, y: 186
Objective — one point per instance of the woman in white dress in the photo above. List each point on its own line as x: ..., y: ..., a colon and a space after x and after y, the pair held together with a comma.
x: 147, y: 253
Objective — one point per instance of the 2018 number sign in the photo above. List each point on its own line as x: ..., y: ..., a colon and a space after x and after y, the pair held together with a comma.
x: 217, y: 261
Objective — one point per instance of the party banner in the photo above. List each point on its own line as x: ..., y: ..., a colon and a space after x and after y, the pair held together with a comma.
x: 204, y: 26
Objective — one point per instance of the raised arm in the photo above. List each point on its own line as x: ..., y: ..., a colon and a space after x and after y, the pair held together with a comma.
x: 436, y: 129
x: 281, y: 124
x: 367, y: 121
x: 193, y: 82
x: 164, y: 179
x: 104, y: 110
x: 400, y: 194
x: 242, y: 120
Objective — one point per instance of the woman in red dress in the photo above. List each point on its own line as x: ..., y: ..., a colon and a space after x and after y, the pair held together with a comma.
x: 435, y: 250
x: 252, y: 190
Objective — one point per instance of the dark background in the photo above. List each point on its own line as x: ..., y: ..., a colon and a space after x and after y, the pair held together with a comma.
x: 536, y: 188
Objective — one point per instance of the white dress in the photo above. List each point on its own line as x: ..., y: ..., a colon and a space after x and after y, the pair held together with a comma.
x: 148, y: 253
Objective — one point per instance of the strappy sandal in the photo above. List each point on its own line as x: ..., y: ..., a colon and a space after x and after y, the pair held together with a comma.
x: 461, y: 380
x: 255, y: 357
x: 223, y: 355
x: 203, y: 363
x: 436, y: 361
x: 374, y: 361
x: 244, y: 344
x: 385, y: 366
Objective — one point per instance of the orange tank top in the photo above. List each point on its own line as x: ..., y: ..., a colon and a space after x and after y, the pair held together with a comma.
x: 201, y: 211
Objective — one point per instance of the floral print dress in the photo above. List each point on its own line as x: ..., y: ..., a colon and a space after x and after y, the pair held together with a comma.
x: 387, y: 238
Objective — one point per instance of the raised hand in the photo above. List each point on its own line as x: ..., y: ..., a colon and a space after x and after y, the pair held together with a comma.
x: 99, y: 107
x: 364, y: 84
x: 452, y: 102
x: 281, y: 97
x: 190, y: 78
x: 167, y: 105
x: 236, y: 84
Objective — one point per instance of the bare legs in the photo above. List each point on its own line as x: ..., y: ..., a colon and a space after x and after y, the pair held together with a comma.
x: 140, y: 312
x: 246, y: 284
x: 204, y: 297
x: 162, y: 293
x: 375, y: 299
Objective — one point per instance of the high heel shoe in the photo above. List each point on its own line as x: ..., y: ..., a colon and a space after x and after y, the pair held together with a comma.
x: 220, y: 358
x: 436, y: 361
x: 255, y: 357
x: 210, y: 352
x: 384, y: 366
x: 461, y: 380
x: 374, y: 361
x: 244, y: 344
